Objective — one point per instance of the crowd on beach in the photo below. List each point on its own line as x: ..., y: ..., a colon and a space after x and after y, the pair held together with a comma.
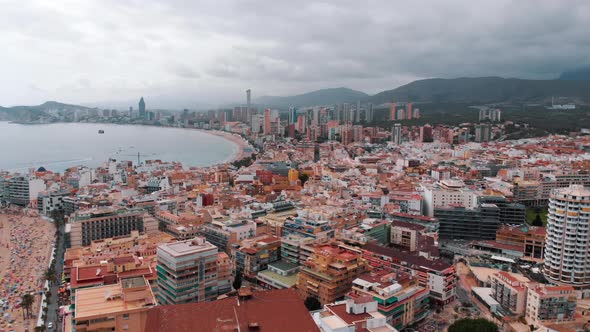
x: 25, y: 249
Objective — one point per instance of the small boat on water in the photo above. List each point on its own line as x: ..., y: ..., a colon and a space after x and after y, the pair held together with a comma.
x: 101, y: 131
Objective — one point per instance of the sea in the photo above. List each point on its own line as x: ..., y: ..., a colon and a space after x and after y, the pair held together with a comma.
x: 59, y: 146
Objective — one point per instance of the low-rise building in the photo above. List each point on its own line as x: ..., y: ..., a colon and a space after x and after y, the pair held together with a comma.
x: 399, y: 296
x: 509, y: 289
x: 550, y: 304
x: 352, y: 315
x: 119, y: 307
x: 279, y: 275
x: 530, y: 240
x: 271, y: 310
x: 436, y: 275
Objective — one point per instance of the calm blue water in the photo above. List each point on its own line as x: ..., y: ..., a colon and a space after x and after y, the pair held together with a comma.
x: 62, y: 145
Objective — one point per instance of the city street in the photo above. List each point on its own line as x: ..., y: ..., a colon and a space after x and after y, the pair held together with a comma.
x: 52, y: 312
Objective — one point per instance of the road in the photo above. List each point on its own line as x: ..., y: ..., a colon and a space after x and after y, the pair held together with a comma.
x: 53, y: 308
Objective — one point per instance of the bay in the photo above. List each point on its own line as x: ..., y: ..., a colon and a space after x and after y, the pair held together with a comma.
x: 59, y: 146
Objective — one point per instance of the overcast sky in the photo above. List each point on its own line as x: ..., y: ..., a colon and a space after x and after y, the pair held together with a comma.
x: 184, y: 53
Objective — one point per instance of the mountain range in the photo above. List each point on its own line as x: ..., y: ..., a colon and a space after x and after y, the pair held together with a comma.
x: 319, y: 97
x: 456, y: 90
x: 436, y: 90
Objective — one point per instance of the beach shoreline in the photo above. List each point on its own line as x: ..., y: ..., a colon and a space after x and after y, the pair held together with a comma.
x: 239, y: 142
x: 26, y: 243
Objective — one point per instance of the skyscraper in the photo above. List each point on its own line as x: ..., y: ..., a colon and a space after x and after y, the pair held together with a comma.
x: 248, y: 99
x: 392, y: 111
x: 482, y: 133
x: 426, y: 133
x: 142, y: 108
x: 369, y: 113
x: 292, y: 115
x: 396, y: 133
x: 409, y: 113
x: 267, y: 121
x: 568, y: 241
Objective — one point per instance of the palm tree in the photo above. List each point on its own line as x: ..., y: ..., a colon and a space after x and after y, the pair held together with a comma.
x: 27, y: 303
x: 50, y: 276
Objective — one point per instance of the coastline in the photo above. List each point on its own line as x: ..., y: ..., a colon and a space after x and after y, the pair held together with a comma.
x: 239, y: 142
x: 242, y: 148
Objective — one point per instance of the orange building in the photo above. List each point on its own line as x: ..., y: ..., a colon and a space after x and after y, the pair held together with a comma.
x: 119, y: 307
x: 267, y: 121
x: 329, y: 272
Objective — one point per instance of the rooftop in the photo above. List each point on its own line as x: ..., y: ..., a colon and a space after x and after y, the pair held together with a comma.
x: 106, y: 300
x: 274, y: 310
x: 187, y: 247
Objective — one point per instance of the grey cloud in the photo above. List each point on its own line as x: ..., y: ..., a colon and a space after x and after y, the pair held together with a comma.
x: 282, y: 47
x: 185, y: 71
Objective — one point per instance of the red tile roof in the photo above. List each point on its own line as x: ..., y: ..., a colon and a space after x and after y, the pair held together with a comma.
x: 274, y: 310
x: 340, y: 311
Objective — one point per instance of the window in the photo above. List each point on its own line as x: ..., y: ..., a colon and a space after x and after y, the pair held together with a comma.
x: 125, y: 316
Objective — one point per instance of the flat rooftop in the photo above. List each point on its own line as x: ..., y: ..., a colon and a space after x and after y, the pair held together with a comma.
x: 105, y: 300
x: 288, y: 281
x: 187, y: 247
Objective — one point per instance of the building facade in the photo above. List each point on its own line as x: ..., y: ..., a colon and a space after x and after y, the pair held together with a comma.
x: 187, y: 271
x: 567, y: 242
x: 329, y: 273
x: 96, y: 224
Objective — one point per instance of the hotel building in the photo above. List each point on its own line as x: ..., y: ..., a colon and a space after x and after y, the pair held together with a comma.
x: 97, y: 224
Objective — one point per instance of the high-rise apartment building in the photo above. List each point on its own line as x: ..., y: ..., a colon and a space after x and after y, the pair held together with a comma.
x: 248, y: 99
x: 568, y: 237
x: 392, y: 112
x: 426, y: 134
x: 267, y: 121
x: 409, y: 111
x: 187, y: 271
x: 483, y: 133
x: 396, y: 133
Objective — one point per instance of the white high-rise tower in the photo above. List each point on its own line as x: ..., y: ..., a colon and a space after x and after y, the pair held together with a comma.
x: 568, y: 239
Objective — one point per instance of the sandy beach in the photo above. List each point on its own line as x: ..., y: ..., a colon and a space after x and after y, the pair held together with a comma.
x: 243, y: 148
x: 25, y: 250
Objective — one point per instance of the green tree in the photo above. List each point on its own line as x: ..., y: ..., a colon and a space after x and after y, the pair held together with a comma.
x: 237, y: 280
x: 312, y: 303
x: 303, y: 178
x: 50, y: 275
x: 162, y: 226
x: 27, y: 304
x: 469, y: 325
x: 538, y: 221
